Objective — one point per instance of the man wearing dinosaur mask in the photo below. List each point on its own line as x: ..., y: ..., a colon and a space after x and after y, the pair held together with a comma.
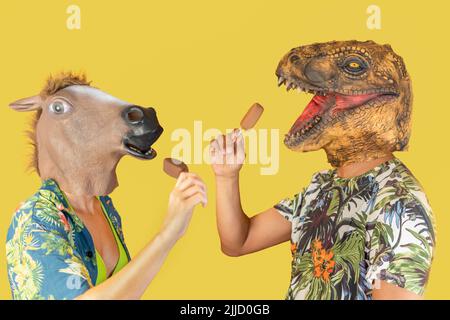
x: 364, y: 229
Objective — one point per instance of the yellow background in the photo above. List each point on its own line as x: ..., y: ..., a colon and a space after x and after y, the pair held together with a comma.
x: 209, y: 60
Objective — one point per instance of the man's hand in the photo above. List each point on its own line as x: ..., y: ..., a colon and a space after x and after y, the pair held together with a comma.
x: 227, y: 154
x: 238, y: 233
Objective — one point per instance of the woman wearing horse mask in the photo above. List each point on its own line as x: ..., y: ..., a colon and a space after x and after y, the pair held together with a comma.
x: 66, y: 241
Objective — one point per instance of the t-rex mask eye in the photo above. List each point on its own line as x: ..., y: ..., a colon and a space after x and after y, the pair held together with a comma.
x: 294, y: 58
x: 354, y: 65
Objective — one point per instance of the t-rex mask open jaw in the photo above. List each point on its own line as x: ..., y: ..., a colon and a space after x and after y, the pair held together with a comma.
x: 362, y: 99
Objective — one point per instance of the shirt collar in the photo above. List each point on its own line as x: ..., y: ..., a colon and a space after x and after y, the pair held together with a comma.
x: 370, y: 175
x: 51, y: 191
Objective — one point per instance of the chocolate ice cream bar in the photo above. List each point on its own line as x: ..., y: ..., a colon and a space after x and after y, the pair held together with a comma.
x: 252, y: 116
x: 174, y: 167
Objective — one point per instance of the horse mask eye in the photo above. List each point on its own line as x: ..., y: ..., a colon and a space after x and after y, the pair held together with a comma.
x: 59, y: 107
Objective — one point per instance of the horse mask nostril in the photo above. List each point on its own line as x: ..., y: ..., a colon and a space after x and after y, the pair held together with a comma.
x: 134, y: 115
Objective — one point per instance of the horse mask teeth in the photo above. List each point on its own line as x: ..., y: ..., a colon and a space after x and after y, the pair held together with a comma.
x: 362, y: 100
x: 81, y: 149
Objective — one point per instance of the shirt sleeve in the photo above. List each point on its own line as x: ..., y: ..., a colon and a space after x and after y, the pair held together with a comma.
x: 289, y: 208
x: 41, y: 262
x: 401, y: 244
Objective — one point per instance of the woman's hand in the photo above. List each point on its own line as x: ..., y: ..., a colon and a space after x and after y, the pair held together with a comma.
x: 134, y: 278
x: 189, y: 191
x: 227, y: 154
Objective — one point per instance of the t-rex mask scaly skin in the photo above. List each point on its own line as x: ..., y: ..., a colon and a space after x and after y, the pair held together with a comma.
x: 362, y: 100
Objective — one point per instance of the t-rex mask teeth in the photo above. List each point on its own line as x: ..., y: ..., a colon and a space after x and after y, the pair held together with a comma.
x: 252, y: 116
x: 174, y: 167
x: 321, y: 103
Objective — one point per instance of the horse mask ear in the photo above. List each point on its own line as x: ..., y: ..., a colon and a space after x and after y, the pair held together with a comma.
x: 27, y: 104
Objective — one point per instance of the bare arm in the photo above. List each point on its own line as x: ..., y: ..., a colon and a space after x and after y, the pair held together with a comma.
x: 238, y: 233
x: 387, y: 291
x: 132, y: 281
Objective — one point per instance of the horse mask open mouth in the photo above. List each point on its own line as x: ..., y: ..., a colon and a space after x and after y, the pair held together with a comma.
x: 80, y: 133
x: 362, y: 99
x: 145, y: 130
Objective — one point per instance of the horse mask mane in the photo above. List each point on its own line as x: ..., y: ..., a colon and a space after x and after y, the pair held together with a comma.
x: 80, y: 133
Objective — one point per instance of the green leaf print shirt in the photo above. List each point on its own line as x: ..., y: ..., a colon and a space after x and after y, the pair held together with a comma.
x: 50, y: 253
x: 349, y: 232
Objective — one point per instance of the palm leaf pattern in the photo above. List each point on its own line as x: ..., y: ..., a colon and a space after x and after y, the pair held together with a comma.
x: 47, y: 247
x: 346, y: 233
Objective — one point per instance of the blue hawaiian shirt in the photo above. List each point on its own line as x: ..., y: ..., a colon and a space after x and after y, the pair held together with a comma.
x: 50, y: 253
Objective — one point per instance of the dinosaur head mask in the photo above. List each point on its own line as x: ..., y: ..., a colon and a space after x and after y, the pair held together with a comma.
x: 362, y: 100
